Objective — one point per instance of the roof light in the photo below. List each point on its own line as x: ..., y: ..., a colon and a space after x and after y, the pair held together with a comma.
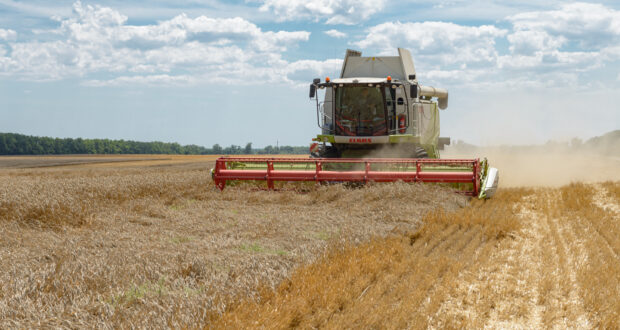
x: 327, y: 79
x: 389, y: 78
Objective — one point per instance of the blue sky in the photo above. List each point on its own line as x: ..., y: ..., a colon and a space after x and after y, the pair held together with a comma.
x: 207, y: 71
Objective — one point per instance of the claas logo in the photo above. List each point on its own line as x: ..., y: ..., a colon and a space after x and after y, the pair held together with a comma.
x: 360, y: 140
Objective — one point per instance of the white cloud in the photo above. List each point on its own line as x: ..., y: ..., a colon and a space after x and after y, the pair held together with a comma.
x: 7, y: 34
x: 97, y: 39
x: 304, y: 69
x: 529, y: 42
x: 94, y: 42
x: 101, y: 25
x: 440, y: 42
x: 276, y: 70
x: 332, y: 11
x: 335, y: 33
x: 4, y: 61
x: 162, y: 79
x: 577, y: 37
x: 558, y: 47
x: 589, y: 25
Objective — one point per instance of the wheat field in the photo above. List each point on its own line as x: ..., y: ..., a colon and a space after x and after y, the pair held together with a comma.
x: 151, y: 243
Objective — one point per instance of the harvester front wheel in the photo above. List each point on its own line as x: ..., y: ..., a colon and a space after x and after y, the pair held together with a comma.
x: 326, y: 152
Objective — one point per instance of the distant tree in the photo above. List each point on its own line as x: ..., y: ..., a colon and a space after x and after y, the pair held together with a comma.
x: 248, y: 149
x: 19, y: 144
x: 232, y: 150
x: 3, y: 146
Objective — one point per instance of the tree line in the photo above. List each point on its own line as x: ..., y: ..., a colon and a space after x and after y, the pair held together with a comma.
x: 19, y: 144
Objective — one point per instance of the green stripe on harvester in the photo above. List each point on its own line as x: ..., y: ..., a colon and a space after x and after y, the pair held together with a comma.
x: 404, y: 138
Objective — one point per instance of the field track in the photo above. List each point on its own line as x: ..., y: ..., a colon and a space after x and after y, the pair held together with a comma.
x: 152, y: 243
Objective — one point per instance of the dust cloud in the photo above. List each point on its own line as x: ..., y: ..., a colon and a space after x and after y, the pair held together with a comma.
x: 549, y: 165
x: 390, y: 151
x: 543, y: 166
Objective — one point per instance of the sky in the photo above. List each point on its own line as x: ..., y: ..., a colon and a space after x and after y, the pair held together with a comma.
x: 231, y: 72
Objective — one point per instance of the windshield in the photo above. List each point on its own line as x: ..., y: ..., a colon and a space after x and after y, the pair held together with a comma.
x: 361, y: 111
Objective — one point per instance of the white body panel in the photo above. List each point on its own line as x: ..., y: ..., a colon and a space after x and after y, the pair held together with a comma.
x: 374, y: 67
x: 490, y: 184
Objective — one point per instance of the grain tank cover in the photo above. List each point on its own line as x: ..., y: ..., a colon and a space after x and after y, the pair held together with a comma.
x: 398, y: 67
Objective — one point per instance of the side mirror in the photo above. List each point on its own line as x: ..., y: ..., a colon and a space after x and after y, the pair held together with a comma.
x: 312, y: 90
x: 315, y: 82
x: 413, y: 92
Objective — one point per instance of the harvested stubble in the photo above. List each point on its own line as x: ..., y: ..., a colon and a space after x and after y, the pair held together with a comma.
x: 394, y: 282
x: 544, y: 258
x: 161, y: 246
x: 613, y: 190
x: 598, y: 268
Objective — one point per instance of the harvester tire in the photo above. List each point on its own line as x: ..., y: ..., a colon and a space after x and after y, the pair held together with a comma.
x: 420, y: 152
x: 327, y: 152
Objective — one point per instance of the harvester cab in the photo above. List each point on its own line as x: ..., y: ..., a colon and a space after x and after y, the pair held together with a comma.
x: 378, y: 124
x: 378, y: 108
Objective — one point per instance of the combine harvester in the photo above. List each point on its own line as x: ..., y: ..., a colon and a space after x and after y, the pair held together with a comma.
x: 378, y: 125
